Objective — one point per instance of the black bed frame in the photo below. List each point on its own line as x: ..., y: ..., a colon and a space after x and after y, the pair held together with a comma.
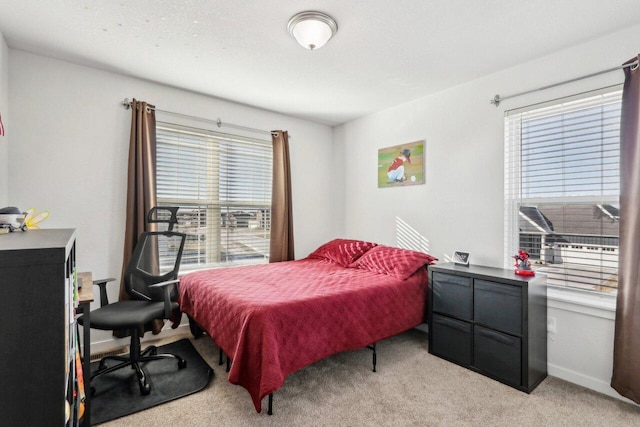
x: 197, y: 331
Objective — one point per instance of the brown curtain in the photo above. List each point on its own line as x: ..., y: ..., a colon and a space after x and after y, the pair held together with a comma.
x: 626, y: 345
x: 281, y: 247
x: 141, y: 185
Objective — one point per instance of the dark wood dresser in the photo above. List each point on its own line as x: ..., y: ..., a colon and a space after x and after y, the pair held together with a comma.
x: 490, y: 320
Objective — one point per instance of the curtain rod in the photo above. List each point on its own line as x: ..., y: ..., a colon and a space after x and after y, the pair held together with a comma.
x: 218, y: 122
x: 497, y: 99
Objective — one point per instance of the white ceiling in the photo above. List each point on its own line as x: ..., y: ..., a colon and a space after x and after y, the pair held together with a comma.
x: 385, y: 52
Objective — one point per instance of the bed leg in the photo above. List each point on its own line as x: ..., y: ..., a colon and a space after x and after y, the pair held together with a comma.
x: 228, y: 364
x: 196, y: 330
x: 375, y: 359
x: 270, y: 410
x: 220, y: 358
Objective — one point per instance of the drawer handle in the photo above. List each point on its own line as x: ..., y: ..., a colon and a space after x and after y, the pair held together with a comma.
x: 497, y: 336
x: 498, y: 289
x: 452, y: 280
x: 441, y: 283
x: 452, y: 323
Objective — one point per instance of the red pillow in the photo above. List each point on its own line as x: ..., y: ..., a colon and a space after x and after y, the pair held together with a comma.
x: 396, y: 262
x: 342, y: 251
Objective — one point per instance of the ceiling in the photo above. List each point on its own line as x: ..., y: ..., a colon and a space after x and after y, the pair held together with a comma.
x: 385, y: 52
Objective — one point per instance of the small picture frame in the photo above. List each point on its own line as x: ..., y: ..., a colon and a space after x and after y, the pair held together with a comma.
x: 461, y: 258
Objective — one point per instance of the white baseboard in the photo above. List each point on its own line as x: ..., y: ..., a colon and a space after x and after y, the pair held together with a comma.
x: 591, y: 383
x: 116, y: 343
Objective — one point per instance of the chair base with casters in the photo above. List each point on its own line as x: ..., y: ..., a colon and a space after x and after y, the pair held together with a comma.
x: 130, y: 315
x: 135, y: 359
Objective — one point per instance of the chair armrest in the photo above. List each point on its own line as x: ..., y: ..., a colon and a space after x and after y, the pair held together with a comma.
x: 102, y: 283
x: 166, y: 294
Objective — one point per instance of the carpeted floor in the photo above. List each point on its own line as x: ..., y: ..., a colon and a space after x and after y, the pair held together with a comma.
x: 411, y: 388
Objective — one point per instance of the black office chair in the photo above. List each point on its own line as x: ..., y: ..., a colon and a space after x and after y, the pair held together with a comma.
x: 151, y: 279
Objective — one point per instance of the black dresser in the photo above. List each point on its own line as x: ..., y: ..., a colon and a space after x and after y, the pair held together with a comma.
x: 37, y: 351
x: 490, y: 320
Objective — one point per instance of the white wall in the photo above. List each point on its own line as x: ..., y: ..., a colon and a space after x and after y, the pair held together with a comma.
x: 70, y: 139
x: 4, y: 112
x: 461, y: 205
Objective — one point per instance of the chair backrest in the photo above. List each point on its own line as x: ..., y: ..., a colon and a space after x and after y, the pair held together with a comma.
x: 158, y: 214
x: 156, y: 258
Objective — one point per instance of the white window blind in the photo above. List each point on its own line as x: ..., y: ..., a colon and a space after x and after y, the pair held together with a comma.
x: 222, y: 184
x: 562, y: 185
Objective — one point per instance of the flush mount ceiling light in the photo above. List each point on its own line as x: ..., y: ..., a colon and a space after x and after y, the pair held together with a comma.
x: 312, y: 29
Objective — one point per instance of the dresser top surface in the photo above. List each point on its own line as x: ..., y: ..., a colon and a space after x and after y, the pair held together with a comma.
x: 36, y: 239
x: 484, y: 272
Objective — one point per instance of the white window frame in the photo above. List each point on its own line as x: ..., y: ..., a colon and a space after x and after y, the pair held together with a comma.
x: 514, y: 197
x: 209, y: 196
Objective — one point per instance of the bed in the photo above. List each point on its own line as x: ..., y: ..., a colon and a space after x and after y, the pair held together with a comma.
x: 274, y: 319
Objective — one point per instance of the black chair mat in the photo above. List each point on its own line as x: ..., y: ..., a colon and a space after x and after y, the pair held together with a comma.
x: 117, y: 394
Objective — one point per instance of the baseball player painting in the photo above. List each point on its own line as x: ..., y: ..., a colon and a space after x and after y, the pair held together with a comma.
x: 396, y: 170
x: 401, y: 165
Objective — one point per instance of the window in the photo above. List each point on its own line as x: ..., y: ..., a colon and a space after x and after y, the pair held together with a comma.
x: 562, y: 185
x: 222, y: 184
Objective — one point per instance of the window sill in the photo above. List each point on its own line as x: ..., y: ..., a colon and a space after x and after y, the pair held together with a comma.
x: 584, y: 302
x: 192, y: 269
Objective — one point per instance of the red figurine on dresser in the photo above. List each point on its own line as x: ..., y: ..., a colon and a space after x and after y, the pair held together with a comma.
x: 523, y: 266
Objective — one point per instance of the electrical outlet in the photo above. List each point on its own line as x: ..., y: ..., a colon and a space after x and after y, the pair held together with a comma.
x: 551, y: 325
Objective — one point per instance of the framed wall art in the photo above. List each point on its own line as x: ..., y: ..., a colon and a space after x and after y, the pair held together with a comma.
x: 401, y: 165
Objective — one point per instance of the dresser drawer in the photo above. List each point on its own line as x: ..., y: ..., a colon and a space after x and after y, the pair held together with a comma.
x: 453, y: 295
x: 498, y: 355
x: 498, y: 306
x: 451, y: 339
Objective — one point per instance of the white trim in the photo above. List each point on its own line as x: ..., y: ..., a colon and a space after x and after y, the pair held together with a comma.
x: 117, y: 343
x: 591, y: 383
x: 591, y: 303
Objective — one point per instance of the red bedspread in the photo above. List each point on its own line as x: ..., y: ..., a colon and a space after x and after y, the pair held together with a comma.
x: 274, y: 319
